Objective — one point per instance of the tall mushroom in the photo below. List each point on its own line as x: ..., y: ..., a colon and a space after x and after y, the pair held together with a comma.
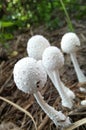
x: 53, y: 60
x: 69, y: 44
x: 30, y: 77
x: 35, y: 48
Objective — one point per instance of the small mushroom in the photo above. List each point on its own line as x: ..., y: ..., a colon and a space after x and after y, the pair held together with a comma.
x: 36, y: 45
x: 30, y: 76
x: 70, y: 44
x: 53, y: 60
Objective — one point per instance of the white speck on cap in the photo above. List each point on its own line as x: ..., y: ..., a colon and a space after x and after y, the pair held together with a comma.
x: 53, y: 58
x: 28, y: 76
x: 36, y: 46
x: 70, y: 42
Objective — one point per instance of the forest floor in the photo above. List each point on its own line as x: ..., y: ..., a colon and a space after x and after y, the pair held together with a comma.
x: 13, y: 119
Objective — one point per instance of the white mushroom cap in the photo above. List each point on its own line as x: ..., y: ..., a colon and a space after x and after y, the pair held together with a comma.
x: 36, y: 45
x: 70, y: 42
x: 52, y: 58
x: 28, y: 76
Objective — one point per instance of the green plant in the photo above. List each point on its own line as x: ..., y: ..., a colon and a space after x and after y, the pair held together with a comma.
x: 67, y: 17
x: 17, y: 14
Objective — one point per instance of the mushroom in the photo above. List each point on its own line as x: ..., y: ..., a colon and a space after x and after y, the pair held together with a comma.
x: 36, y: 45
x: 53, y: 60
x: 70, y: 44
x: 35, y: 48
x: 30, y: 77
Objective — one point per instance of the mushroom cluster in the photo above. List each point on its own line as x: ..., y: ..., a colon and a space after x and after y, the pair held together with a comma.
x: 37, y: 47
x: 30, y: 73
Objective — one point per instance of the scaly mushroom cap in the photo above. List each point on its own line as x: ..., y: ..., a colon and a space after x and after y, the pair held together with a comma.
x: 52, y: 58
x: 28, y: 75
x: 70, y: 42
x: 36, y: 45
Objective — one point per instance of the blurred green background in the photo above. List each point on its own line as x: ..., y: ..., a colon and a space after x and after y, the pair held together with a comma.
x: 23, y: 14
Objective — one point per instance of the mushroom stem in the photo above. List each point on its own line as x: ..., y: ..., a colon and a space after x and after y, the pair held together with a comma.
x: 70, y: 93
x: 79, y: 73
x: 58, y: 117
x: 66, y: 101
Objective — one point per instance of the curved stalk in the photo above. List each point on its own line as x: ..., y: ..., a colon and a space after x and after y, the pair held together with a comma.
x: 58, y: 117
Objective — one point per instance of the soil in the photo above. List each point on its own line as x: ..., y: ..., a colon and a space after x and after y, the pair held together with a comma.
x: 10, y: 117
